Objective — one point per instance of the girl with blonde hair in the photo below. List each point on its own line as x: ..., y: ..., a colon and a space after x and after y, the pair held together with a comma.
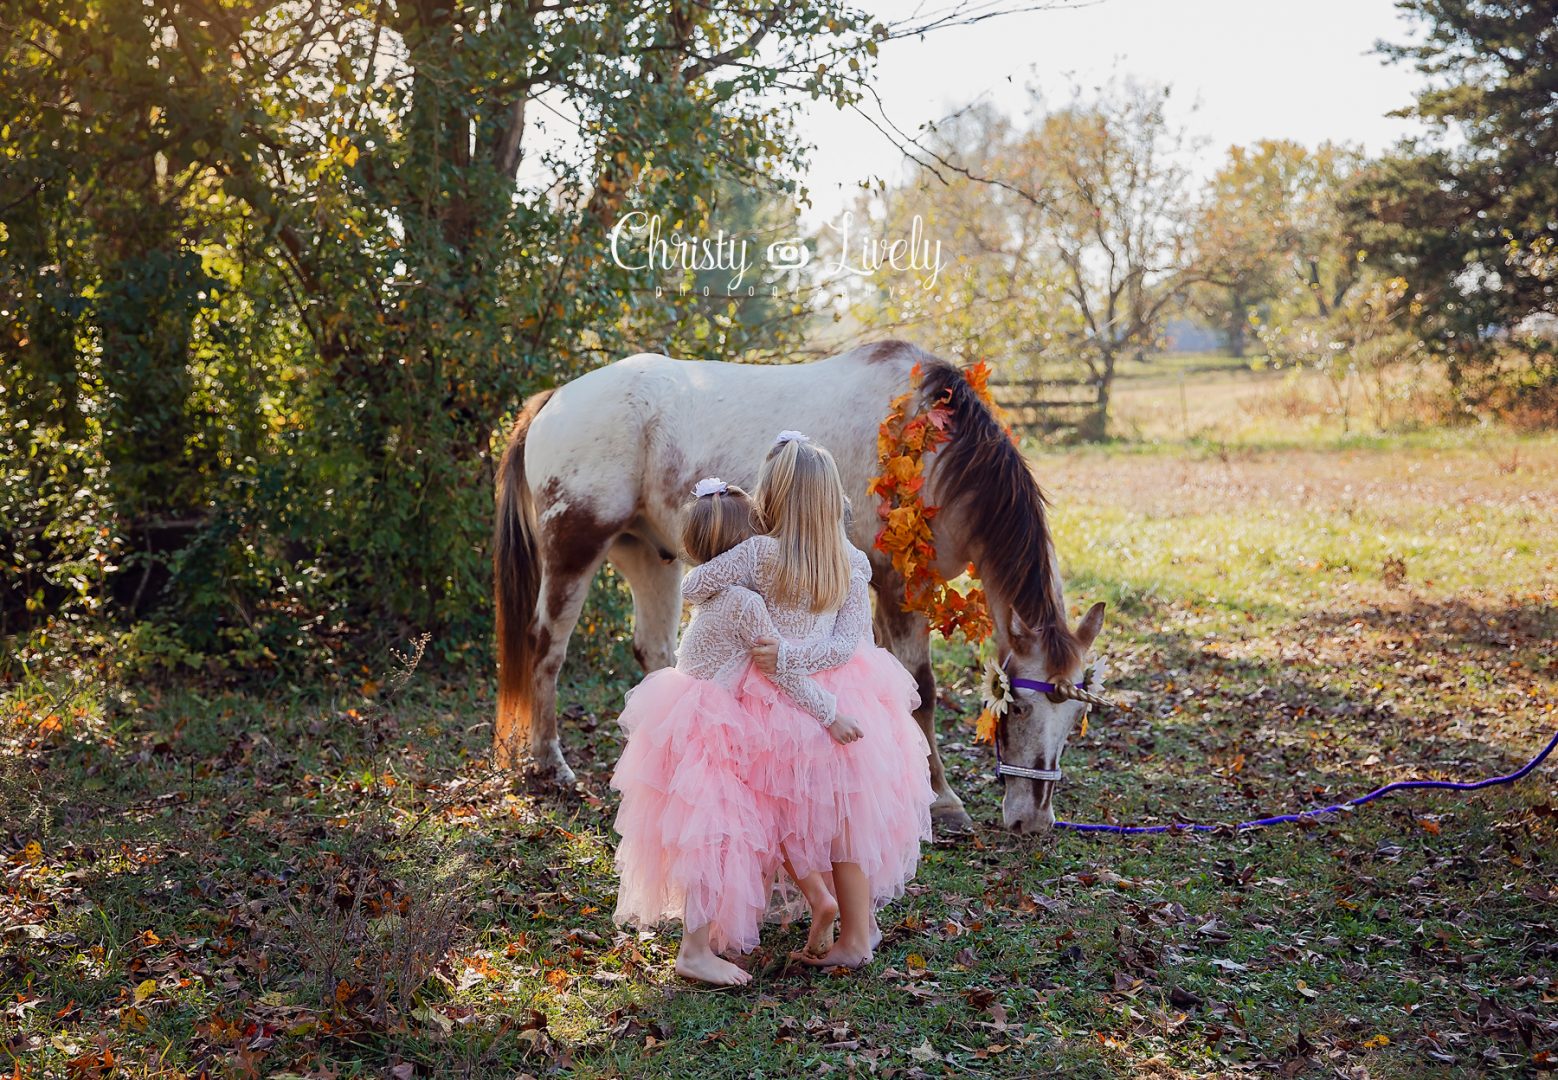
x: 857, y: 808
x: 700, y: 842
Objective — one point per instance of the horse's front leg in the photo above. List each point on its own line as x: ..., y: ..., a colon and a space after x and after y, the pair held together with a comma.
x: 907, y: 636
x: 655, y: 578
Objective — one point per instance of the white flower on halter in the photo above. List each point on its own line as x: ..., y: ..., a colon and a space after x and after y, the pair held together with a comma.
x: 790, y: 436
x: 996, y: 693
x: 709, y: 485
x: 995, y: 689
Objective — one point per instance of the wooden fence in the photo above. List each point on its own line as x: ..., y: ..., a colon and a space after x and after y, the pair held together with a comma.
x: 1048, y: 407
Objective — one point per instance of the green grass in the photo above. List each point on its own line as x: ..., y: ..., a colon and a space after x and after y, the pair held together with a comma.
x: 313, y: 882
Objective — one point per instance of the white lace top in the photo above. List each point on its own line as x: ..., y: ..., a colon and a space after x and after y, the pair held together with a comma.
x: 724, y: 590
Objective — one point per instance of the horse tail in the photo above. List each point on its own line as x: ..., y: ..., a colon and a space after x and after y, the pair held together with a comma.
x: 981, y: 465
x: 516, y: 583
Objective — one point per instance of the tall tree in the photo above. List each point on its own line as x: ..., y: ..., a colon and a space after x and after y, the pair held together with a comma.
x: 1109, y: 174
x: 286, y: 266
x: 1266, y: 229
x: 1468, y: 215
x: 1065, y: 234
x: 996, y: 296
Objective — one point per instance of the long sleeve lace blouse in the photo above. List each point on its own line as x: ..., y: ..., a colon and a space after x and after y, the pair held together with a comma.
x: 725, y: 625
x: 809, y: 641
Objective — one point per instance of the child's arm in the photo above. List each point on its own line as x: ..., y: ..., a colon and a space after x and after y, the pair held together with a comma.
x: 738, y: 566
x: 850, y: 625
x: 754, y: 623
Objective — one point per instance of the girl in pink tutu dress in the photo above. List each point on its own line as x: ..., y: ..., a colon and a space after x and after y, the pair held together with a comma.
x: 860, y: 810
x: 699, y: 840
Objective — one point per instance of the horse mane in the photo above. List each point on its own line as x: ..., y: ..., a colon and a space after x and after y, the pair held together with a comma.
x: 980, y: 470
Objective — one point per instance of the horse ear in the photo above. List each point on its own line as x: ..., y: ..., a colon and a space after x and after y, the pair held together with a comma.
x: 1018, y: 630
x: 1092, y: 622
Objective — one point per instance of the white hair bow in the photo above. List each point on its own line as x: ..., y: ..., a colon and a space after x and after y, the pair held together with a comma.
x: 709, y: 485
x: 791, y: 436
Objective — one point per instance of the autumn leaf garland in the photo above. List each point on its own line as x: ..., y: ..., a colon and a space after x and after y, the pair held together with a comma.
x: 901, y: 444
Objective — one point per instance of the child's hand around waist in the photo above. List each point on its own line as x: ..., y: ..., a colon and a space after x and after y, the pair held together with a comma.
x: 844, y: 730
x: 765, y: 655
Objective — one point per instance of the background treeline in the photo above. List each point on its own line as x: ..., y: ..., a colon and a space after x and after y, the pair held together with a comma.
x: 275, y: 274
x: 1079, y: 234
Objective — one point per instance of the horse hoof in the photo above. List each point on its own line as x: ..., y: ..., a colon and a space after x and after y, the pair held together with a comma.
x: 950, y: 821
x: 548, y: 776
x: 546, y: 783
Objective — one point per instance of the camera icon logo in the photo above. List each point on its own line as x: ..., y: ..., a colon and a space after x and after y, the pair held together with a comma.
x: 788, y: 254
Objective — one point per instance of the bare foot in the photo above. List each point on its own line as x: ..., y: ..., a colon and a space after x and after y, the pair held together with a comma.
x: 823, y: 916
x: 711, y: 969
x: 874, y: 935
x: 841, y: 955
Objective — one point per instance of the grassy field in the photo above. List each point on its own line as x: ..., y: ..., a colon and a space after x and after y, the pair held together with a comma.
x: 1203, y: 398
x: 311, y: 882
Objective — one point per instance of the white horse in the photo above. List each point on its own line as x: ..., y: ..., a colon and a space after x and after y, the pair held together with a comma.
x: 600, y: 468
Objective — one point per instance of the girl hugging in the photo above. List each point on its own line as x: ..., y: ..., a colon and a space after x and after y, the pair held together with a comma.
x: 783, y: 736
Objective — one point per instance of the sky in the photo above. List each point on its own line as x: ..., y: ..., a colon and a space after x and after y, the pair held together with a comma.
x: 1240, y: 70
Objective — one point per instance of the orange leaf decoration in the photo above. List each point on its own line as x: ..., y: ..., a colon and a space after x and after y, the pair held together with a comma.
x: 904, y: 469
x: 902, y: 443
x: 984, y: 728
x: 978, y: 376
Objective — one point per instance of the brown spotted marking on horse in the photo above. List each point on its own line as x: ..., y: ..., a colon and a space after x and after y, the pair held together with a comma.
x: 573, y: 533
x: 573, y: 539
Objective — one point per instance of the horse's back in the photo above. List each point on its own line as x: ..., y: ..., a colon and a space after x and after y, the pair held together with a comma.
x: 731, y: 412
x: 634, y: 435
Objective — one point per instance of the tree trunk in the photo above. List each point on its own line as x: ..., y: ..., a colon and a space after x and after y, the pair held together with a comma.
x: 145, y: 313
x: 1238, y: 318
x: 1322, y: 308
x: 1096, y: 426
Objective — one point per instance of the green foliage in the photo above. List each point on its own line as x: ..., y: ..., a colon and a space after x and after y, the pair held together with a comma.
x: 1469, y: 222
x: 602, y: 647
x: 274, y: 300
x: 1362, y: 334
x: 1267, y: 242
x: 57, y: 543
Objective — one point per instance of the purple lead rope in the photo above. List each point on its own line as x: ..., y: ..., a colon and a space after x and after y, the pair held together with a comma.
x: 1286, y: 819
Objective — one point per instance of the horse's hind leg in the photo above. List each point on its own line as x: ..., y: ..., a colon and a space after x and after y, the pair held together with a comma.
x: 655, y: 578
x: 570, y: 559
x: 907, y: 637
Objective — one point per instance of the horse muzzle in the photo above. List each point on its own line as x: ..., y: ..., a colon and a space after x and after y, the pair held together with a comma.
x: 1030, y: 811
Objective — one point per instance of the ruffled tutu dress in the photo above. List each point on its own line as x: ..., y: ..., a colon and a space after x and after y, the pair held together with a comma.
x: 725, y: 774
x: 867, y: 802
x: 697, y: 837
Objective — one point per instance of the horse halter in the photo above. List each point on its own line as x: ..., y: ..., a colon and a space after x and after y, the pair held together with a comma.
x: 1056, y: 692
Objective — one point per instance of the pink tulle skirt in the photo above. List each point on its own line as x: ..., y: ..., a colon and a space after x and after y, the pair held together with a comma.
x: 697, y: 836
x: 866, y: 803
x: 719, y: 786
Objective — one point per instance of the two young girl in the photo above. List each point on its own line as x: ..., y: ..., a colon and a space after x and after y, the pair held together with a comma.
x: 782, y: 738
